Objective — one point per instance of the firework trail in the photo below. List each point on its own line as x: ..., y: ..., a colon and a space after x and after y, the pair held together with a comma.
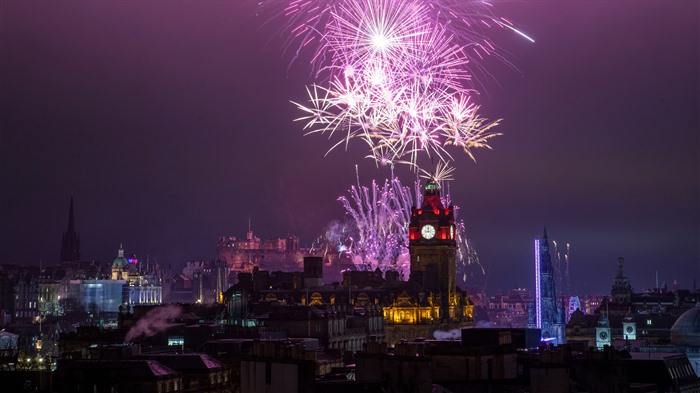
x: 376, y: 234
x: 395, y: 74
x: 380, y: 215
x: 566, y: 264
x: 561, y: 268
x: 305, y: 22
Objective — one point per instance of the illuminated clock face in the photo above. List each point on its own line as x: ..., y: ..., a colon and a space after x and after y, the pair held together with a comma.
x: 603, y: 335
x: 629, y: 329
x: 428, y: 231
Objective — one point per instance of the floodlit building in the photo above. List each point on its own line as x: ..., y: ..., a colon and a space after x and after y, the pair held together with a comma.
x: 143, y: 282
x: 98, y: 296
x: 242, y: 255
x: 430, y: 300
x: 548, y: 317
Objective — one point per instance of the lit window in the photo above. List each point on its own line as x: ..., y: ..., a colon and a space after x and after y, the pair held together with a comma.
x: 648, y: 322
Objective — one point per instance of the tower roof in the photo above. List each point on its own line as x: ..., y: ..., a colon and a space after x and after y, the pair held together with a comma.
x: 120, y: 262
x: 620, y: 268
x: 431, y: 185
x: 431, y: 196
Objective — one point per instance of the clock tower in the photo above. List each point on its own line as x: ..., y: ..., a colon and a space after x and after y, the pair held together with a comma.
x: 629, y: 327
x: 602, y: 332
x: 433, y: 249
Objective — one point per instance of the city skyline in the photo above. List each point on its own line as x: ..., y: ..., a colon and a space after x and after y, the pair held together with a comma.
x: 171, y: 125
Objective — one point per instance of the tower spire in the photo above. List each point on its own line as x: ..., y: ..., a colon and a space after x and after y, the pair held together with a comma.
x: 70, y: 246
x: 71, y: 217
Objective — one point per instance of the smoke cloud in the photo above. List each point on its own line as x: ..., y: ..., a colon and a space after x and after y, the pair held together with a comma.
x: 454, y: 334
x: 155, y: 321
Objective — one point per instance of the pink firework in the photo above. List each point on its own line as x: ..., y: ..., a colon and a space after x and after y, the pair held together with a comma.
x: 377, y: 237
x: 398, y: 79
x: 306, y: 22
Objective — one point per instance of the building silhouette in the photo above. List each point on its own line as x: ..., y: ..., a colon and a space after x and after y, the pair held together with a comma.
x: 621, y: 289
x: 70, y: 246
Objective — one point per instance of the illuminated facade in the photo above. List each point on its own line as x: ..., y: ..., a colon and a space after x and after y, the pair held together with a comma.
x: 208, y: 280
x: 510, y: 309
x: 242, y: 255
x: 430, y: 300
x: 603, y: 335
x: 538, y: 286
x: 98, y: 296
x: 433, y: 250
x: 52, y: 288
x: 120, y: 266
x: 143, y: 285
x: 147, y: 291
x: 574, y: 304
x: 549, y: 318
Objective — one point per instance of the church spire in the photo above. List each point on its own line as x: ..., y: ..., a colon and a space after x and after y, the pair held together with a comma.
x: 70, y: 246
x: 545, y: 244
x: 71, y: 218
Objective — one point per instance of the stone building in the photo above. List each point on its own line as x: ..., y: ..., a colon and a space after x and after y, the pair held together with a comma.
x: 430, y: 301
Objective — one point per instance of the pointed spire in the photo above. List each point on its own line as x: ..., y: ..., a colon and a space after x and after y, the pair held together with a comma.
x: 71, y: 217
x: 70, y: 245
x: 545, y: 243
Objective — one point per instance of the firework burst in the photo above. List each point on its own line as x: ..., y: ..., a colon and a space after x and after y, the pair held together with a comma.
x: 398, y: 78
x: 376, y: 234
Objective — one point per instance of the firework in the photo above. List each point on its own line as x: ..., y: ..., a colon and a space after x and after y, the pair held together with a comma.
x: 379, y: 214
x: 561, y: 267
x: 376, y: 234
x: 398, y: 78
x: 304, y: 24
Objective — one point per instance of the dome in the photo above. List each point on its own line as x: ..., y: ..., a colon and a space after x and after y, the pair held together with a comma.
x: 577, y: 318
x: 603, y: 321
x: 686, y: 330
x: 120, y: 262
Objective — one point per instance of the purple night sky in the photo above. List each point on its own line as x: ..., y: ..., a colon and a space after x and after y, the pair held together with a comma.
x: 171, y: 124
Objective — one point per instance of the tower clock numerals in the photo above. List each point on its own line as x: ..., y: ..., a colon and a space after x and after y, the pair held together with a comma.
x: 427, y: 231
